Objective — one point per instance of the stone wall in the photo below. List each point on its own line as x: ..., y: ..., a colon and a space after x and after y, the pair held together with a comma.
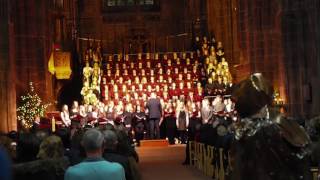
x: 281, y: 40
x: 300, y: 22
x: 33, y: 37
x: 168, y: 28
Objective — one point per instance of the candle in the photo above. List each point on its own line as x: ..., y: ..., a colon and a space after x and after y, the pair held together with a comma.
x: 53, y: 124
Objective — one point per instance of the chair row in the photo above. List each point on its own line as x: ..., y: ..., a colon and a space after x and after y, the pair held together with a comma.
x: 213, y: 162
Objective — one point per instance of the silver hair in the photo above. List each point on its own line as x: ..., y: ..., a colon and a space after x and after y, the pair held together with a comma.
x: 110, y: 138
x: 92, y: 140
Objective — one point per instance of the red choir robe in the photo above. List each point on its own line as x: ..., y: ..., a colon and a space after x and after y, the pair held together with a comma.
x: 173, y: 92
x: 141, y: 92
x: 198, y: 97
x: 159, y: 93
x: 152, y: 84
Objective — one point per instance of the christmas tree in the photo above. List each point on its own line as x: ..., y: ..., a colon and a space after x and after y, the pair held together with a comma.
x: 31, y: 106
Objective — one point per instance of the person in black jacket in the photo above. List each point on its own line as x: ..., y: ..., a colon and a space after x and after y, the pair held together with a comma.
x: 110, y: 154
x: 128, y: 116
x: 139, y: 120
x: 155, y: 114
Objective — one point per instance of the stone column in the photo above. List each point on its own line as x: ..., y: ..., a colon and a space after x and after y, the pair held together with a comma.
x: 8, y: 120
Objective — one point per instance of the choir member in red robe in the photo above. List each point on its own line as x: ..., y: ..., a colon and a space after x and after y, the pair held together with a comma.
x: 132, y: 66
x: 168, y: 74
x: 151, y: 73
x: 191, y: 96
x: 148, y: 65
x: 109, y: 76
x: 182, y: 90
x: 165, y: 88
x: 149, y: 90
x: 105, y: 91
x: 124, y: 66
x: 169, y: 65
x: 134, y: 73
x: 120, y: 81
x: 152, y: 82
x: 189, y: 78
x: 136, y: 81
x: 141, y: 90
x: 173, y: 92
x: 161, y: 81
x: 165, y: 97
x: 124, y: 89
x: 158, y: 91
x: 160, y: 71
x: 140, y: 65
x: 144, y: 81
x: 180, y: 79
x: 199, y: 95
x: 176, y: 73
x: 125, y: 75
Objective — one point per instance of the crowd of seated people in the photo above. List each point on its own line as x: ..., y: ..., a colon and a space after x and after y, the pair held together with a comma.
x: 83, y: 154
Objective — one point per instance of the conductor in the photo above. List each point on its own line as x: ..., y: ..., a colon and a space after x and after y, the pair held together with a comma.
x: 155, y: 113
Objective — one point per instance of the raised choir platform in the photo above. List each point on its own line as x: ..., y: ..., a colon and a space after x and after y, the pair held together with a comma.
x: 154, y: 143
x: 132, y: 80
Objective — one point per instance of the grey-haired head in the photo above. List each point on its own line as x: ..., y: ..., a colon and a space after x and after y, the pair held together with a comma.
x: 111, y: 139
x: 92, y: 140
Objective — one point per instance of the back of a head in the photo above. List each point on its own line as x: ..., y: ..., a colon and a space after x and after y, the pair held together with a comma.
x: 41, y: 134
x: 109, y: 127
x: 51, y: 147
x: 111, y: 139
x: 13, y: 135
x: 64, y: 134
x: 27, y: 147
x: 92, y: 140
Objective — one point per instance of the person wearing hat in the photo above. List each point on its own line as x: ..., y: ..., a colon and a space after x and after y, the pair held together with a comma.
x: 267, y: 146
x: 94, y: 166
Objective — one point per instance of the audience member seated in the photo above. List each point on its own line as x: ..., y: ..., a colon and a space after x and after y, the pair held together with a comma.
x: 94, y: 166
x: 77, y: 152
x: 27, y: 147
x: 51, y: 163
x: 110, y: 152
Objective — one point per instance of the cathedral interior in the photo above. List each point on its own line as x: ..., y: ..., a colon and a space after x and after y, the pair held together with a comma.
x: 279, y: 39
x: 229, y: 88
